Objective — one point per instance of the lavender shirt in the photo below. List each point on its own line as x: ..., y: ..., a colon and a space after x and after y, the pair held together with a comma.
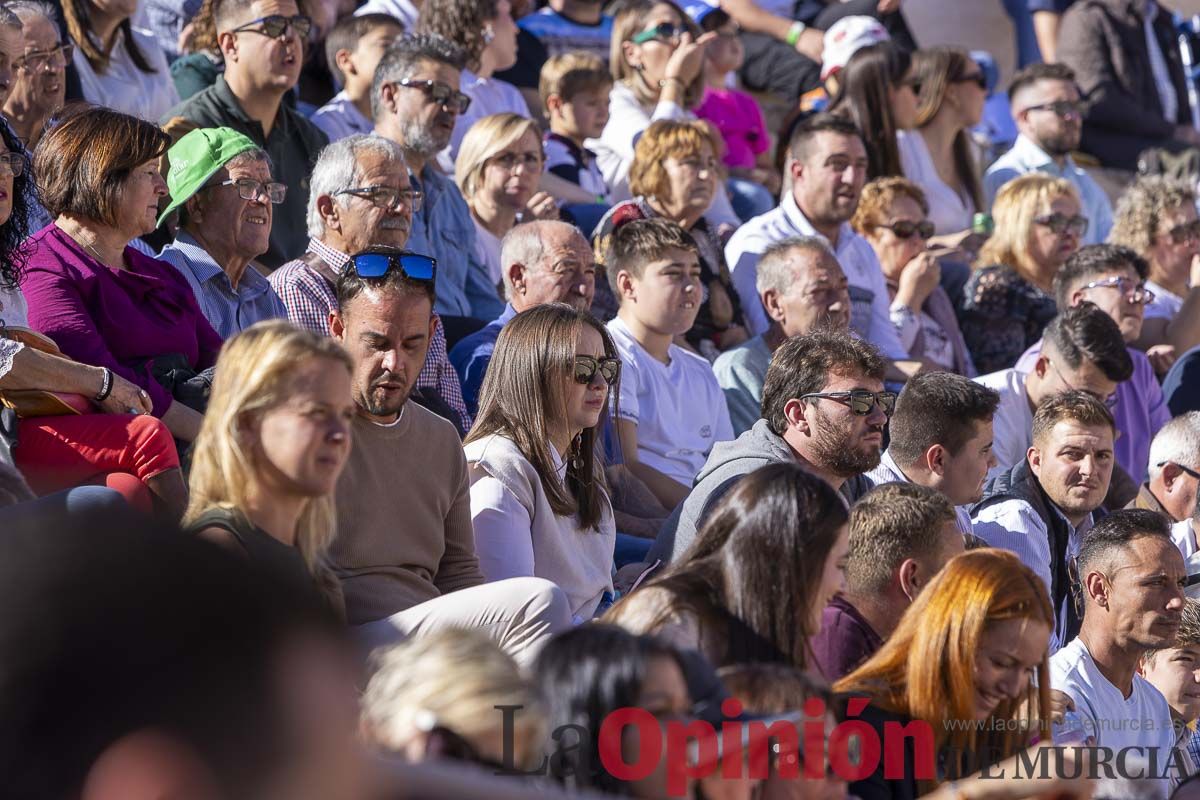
x: 1140, y: 411
x: 120, y: 319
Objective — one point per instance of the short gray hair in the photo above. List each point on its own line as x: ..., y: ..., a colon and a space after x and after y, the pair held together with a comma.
x: 8, y: 19
x: 404, y: 55
x: 1178, y: 442
x: 777, y: 270
x: 33, y: 8
x: 337, y: 168
x: 526, y: 244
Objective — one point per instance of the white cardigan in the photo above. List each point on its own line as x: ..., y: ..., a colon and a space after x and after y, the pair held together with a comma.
x: 517, y: 534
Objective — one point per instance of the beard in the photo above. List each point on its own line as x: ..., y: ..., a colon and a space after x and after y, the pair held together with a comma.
x: 379, y: 403
x: 421, y: 139
x: 1062, y: 143
x: 836, y: 452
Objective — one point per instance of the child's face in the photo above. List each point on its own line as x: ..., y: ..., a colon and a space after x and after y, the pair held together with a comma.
x: 370, y: 50
x: 1176, y: 673
x: 667, y: 297
x: 584, y: 115
x: 726, y: 52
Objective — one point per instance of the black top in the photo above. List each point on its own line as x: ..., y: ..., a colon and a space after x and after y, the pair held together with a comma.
x: 259, y: 546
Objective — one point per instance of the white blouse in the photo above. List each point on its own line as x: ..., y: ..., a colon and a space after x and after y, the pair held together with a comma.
x: 125, y: 88
x: 949, y: 211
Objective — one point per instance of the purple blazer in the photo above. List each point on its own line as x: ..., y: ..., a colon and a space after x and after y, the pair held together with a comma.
x: 120, y: 319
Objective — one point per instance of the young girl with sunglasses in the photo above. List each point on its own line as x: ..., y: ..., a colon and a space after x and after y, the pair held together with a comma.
x: 539, y: 502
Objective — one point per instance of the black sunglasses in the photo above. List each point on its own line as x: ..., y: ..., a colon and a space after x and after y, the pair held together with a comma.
x: 1061, y: 108
x: 441, y: 94
x: 377, y: 262
x: 1059, y: 223
x: 905, y: 229
x: 979, y: 79
x: 1186, y: 470
x: 860, y: 401
x: 276, y: 25
x: 586, y: 368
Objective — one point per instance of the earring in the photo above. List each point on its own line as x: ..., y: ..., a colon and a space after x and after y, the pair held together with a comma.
x: 576, y: 456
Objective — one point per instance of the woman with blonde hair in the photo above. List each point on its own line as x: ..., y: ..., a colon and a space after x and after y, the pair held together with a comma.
x: 539, y: 502
x: 1007, y: 304
x: 273, y: 443
x: 497, y: 170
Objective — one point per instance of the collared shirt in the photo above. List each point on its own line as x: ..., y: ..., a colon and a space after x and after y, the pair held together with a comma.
x: 228, y: 309
x: 1025, y: 157
x: 463, y: 286
x: 889, y: 471
x: 869, y: 315
x: 471, y: 356
x: 122, y: 85
x: 1012, y: 424
x: 1166, y: 305
x: 1158, y: 64
x: 1146, y: 501
x: 293, y: 147
x: 340, y: 118
x: 308, y: 298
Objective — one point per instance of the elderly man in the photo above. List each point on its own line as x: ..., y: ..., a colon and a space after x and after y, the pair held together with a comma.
x: 1174, y: 469
x: 220, y: 182
x: 40, y: 82
x: 359, y: 197
x: 416, y: 99
x: 541, y: 262
x: 261, y: 43
x: 802, y: 287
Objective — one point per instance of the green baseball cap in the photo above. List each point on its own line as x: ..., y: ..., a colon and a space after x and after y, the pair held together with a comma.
x: 196, y: 157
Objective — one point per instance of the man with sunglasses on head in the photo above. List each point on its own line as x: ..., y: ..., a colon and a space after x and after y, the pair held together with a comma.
x: 824, y: 406
x: 261, y: 42
x: 1049, y: 115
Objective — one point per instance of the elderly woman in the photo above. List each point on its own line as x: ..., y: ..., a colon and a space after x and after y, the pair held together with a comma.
x: 1007, y: 304
x: 40, y: 77
x: 103, y: 302
x: 675, y: 174
x: 893, y: 215
x: 220, y: 182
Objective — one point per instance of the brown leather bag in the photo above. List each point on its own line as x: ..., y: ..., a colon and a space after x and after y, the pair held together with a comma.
x: 39, y: 402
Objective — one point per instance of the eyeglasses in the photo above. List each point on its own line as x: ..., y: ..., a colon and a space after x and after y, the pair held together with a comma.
x: 860, y: 401
x: 979, y: 79
x: 1110, y: 401
x: 387, y: 196
x: 663, y: 31
x: 1186, y: 470
x: 441, y: 94
x: 40, y: 59
x: 586, y: 368
x: 277, y: 25
x: 14, y: 162
x: 905, y: 229
x: 532, y: 162
x: 1134, y: 292
x: 378, y: 261
x: 1061, y: 108
x: 1061, y: 223
x: 250, y: 189
x: 1186, y: 232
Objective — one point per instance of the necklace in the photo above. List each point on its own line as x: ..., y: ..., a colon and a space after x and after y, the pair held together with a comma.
x: 85, y: 246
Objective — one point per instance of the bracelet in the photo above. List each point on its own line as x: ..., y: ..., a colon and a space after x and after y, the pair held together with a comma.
x: 663, y: 83
x: 105, y: 386
x: 794, y: 32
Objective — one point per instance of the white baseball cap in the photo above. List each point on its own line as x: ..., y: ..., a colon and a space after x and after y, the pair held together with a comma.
x: 846, y: 37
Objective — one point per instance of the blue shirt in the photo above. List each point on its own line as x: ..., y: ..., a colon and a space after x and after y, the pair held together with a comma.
x: 340, y: 118
x: 560, y: 34
x: 464, y: 288
x: 227, y: 309
x: 471, y: 356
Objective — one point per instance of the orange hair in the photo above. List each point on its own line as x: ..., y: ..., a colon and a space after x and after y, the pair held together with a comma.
x: 668, y: 139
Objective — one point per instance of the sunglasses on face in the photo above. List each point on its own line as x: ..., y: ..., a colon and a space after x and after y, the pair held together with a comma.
x: 387, y: 196
x: 250, y: 189
x: 1061, y: 223
x: 441, y: 94
x: 377, y: 262
x: 277, y: 25
x: 860, y: 401
x: 1062, y: 109
x: 979, y: 79
x: 1187, y: 232
x: 586, y: 368
x: 905, y: 229
x: 663, y: 31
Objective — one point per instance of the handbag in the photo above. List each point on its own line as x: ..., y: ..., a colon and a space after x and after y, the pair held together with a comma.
x: 27, y: 403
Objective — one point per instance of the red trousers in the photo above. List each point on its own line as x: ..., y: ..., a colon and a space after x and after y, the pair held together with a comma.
x: 120, y: 451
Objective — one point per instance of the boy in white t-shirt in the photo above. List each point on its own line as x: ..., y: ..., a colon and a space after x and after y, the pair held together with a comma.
x: 670, y: 410
x: 1175, y: 671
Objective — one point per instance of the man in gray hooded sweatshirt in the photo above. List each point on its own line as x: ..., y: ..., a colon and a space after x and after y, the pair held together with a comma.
x: 823, y: 406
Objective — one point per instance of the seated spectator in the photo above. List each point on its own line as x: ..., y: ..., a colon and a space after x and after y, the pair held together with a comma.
x: 421, y: 574
x: 40, y: 77
x: 12, y: 49
x: 827, y: 174
x: 941, y: 438
x: 876, y: 91
x: 487, y: 34
x: 803, y: 289
x: 1125, y: 58
x: 118, y: 65
x: 984, y: 623
x: 539, y: 502
x: 1131, y: 580
x: 824, y: 408
x: 901, y: 535
x: 950, y: 95
x: 1175, y: 672
x: 415, y: 100
x: 353, y: 50
x: 893, y: 215
x: 1174, y: 484
x: 1046, y: 106
x: 563, y: 26
x: 1042, y: 507
x: 274, y: 441
x: 497, y: 170
x: 729, y: 598
x: 261, y: 42
x: 360, y: 197
x: 541, y: 262
x: 101, y: 301
x: 674, y: 176
x: 1156, y: 218
x: 220, y: 182
x: 670, y: 411
x: 1007, y: 303
x: 574, y: 89
x: 437, y: 697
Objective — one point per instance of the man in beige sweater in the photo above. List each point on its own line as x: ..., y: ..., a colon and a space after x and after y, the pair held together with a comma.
x: 404, y: 550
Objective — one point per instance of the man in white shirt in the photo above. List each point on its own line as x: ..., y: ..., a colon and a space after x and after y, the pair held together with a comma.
x: 1131, y: 581
x: 1046, y: 107
x: 828, y: 170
